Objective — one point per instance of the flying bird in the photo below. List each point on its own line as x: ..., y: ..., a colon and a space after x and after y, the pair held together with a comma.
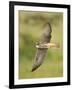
x: 43, y: 46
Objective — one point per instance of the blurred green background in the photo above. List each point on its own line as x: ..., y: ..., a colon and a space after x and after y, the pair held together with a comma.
x: 30, y: 30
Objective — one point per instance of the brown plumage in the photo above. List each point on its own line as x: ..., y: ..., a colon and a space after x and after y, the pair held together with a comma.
x: 41, y: 52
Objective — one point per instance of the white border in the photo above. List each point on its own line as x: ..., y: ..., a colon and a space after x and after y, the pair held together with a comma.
x: 16, y: 52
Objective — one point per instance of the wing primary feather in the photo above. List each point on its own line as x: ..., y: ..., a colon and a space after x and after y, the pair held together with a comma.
x: 41, y: 52
x: 40, y: 55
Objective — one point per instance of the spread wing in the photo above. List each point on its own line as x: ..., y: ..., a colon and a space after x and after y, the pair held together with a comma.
x: 41, y: 52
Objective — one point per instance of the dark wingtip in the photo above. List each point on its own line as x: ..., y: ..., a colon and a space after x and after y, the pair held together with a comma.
x: 35, y: 68
x: 32, y: 70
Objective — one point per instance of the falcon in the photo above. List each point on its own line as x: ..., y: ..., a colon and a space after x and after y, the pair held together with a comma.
x: 43, y: 46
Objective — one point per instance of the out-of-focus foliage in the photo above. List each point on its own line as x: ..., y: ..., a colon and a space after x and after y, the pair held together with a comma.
x: 30, y: 29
